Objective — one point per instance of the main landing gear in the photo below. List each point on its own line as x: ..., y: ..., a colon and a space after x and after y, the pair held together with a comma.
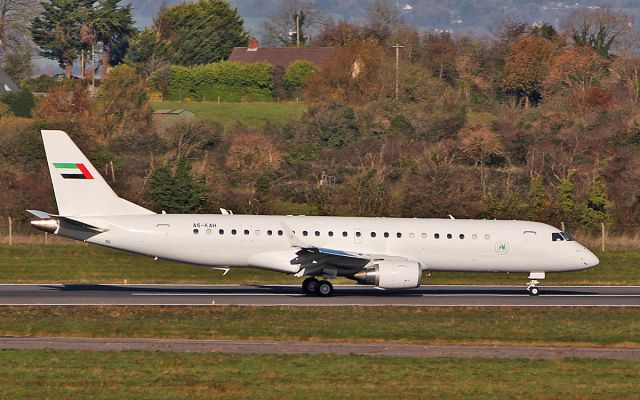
x: 533, y: 288
x: 314, y: 286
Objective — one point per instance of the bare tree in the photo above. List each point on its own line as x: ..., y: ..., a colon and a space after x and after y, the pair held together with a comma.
x: 603, y: 29
x: 15, y: 37
x: 295, y: 16
x: 15, y: 18
x: 383, y: 17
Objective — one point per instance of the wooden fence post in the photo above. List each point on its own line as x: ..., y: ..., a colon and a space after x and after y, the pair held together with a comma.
x: 562, y: 226
x: 603, y: 236
x: 10, y: 232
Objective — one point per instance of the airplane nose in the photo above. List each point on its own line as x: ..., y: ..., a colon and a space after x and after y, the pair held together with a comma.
x: 589, y: 259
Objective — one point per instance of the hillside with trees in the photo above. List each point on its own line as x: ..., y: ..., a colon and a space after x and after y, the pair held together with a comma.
x: 536, y: 122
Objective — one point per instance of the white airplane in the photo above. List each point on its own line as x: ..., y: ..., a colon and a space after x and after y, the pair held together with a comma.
x: 390, y: 253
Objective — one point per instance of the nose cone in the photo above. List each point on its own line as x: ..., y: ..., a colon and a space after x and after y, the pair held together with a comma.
x: 589, y: 259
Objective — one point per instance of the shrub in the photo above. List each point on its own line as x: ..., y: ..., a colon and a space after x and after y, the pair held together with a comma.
x: 296, y: 74
x: 20, y: 103
x: 230, y: 81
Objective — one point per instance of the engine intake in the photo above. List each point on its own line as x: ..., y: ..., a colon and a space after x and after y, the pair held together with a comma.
x: 391, y: 275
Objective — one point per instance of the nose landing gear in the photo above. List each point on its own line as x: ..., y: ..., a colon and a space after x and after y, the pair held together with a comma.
x: 532, y: 287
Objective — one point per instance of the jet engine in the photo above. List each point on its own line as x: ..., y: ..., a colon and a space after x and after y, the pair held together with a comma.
x: 391, y: 274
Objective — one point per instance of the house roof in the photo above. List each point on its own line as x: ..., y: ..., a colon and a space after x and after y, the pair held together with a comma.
x: 6, y: 83
x: 282, y: 56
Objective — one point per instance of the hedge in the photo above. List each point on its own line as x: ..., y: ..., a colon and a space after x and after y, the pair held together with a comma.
x: 232, y: 82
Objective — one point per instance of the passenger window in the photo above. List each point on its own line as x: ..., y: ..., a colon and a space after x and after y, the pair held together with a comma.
x: 269, y: 232
x: 280, y: 233
x: 257, y: 232
x: 487, y: 237
x: 246, y: 231
x: 386, y: 234
x: 474, y: 236
x: 424, y: 235
x: 462, y: 236
x: 373, y: 234
x: 195, y: 231
x: 412, y: 235
x: 437, y: 236
x: 233, y: 231
x: 556, y: 236
x: 449, y: 236
x: 317, y: 233
x: 344, y: 234
x: 208, y: 231
x: 358, y: 234
x: 305, y: 233
x: 398, y: 235
x: 221, y: 231
x: 330, y: 233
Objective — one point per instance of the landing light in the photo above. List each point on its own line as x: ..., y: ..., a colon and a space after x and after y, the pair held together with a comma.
x: 49, y: 225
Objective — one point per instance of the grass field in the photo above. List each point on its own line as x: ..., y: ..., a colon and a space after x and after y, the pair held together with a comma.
x: 78, y: 263
x: 254, y: 115
x: 136, y: 375
x: 451, y: 325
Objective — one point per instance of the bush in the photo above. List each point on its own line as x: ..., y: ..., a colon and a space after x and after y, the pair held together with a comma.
x: 230, y: 81
x: 296, y: 74
x: 20, y: 103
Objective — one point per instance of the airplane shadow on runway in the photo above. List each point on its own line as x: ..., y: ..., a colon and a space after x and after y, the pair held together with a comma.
x: 294, y: 291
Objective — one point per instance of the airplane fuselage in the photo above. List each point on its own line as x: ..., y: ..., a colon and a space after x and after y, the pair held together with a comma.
x: 269, y: 242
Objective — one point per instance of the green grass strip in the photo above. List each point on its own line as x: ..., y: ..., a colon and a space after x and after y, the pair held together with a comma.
x: 77, y: 263
x: 454, y: 325
x: 136, y: 375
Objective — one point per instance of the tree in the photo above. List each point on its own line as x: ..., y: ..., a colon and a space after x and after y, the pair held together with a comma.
x: 576, y: 70
x: 352, y: 75
x: 481, y: 144
x: 598, y: 207
x: 295, y: 15
x: 526, y: 68
x: 566, y: 199
x: 536, y: 197
x: 148, y: 52
x: 297, y: 74
x: 113, y: 27
x: 57, y: 30
x: 383, y: 17
x: 15, y: 18
x: 202, y: 32
x: 602, y: 29
x: 338, y: 35
x: 178, y: 192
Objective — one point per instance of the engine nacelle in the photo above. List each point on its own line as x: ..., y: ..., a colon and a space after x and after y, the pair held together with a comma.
x: 391, y: 275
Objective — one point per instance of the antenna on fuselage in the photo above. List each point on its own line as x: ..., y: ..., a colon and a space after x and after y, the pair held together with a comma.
x: 451, y: 216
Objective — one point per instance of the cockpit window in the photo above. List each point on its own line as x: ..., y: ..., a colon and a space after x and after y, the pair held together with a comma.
x: 567, y: 237
x: 557, y: 236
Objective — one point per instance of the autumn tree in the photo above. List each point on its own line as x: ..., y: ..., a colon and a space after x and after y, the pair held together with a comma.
x: 481, y: 144
x: 576, y: 70
x: 352, y: 75
x: 338, y: 35
x: 526, y: 69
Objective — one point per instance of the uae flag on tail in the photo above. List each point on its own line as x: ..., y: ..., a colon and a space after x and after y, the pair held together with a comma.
x: 73, y: 171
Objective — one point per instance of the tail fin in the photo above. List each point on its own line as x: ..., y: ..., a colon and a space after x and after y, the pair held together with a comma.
x: 79, y: 188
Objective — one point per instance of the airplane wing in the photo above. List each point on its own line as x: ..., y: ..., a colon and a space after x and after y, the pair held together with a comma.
x: 321, y: 260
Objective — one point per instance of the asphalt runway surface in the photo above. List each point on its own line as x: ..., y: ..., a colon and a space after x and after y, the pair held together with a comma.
x: 297, y: 347
x: 290, y: 295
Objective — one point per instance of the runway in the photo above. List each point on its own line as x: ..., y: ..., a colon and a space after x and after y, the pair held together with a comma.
x: 289, y: 295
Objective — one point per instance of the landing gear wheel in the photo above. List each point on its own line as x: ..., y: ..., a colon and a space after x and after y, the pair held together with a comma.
x: 534, y: 291
x: 310, y: 286
x: 325, y: 288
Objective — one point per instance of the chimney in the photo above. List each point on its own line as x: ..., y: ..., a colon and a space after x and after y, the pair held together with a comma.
x: 253, y: 45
